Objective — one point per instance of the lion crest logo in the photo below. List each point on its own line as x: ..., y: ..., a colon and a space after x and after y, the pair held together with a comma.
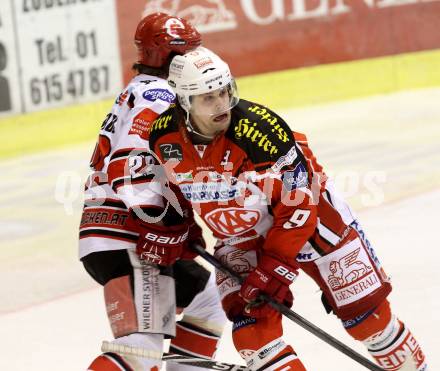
x: 347, y: 270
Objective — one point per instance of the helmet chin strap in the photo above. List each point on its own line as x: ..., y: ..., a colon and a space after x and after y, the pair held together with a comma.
x: 191, y: 129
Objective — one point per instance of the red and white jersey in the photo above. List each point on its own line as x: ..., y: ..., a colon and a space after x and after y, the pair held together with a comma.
x: 125, y: 132
x: 258, y: 185
x: 117, y: 183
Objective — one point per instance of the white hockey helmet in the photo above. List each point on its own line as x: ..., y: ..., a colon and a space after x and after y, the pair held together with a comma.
x: 199, y: 72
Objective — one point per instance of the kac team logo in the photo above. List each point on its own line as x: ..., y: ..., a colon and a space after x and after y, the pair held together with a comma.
x: 233, y: 221
x: 162, y: 94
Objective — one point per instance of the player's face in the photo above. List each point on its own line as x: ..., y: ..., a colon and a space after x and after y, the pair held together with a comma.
x: 211, y: 112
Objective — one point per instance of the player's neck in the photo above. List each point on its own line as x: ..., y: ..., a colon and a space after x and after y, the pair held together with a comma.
x: 199, y: 139
x: 198, y: 135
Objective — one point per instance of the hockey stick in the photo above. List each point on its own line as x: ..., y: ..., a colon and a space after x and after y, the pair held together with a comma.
x: 178, y: 358
x: 200, y: 362
x: 299, y: 320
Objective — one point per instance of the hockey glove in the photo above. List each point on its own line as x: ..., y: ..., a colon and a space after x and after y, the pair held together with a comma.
x: 272, y: 277
x: 161, y: 245
x: 195, y: 238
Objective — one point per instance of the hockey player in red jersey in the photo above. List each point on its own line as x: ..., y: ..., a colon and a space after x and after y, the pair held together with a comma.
x: 259, y: 188
x: 125, y: 244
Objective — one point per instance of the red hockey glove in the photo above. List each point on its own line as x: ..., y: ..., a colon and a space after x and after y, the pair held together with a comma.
x: 161, y: 245
x: 195, y: 238
x: 234, y: 306
x: 271, y: 277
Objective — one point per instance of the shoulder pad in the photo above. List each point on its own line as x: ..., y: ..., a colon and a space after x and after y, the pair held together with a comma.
x: 262, y: 134
x: 166, y: 123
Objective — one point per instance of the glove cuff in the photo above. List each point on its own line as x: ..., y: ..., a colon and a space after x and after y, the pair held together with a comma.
x: 160, y: 235
x: 277, y: 269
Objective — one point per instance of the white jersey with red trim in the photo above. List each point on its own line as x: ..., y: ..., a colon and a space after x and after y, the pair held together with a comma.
x: 112, y: 189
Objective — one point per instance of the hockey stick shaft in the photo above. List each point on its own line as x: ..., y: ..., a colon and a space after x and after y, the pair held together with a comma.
x: 124, y: 350
x: 299, y: 320
x: 203, y: 363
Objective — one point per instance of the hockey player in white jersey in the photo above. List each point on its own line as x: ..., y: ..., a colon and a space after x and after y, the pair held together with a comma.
x: 128, y: 243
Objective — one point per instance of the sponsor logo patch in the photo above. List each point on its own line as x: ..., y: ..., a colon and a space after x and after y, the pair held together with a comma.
x: 346, y: 270
x: 213, y: 175
x: 162, y: 94
x: 246, y: 129
x: 398, y: 357
x: 285, y: 160
x: 355, y: 321
x: 203, y: 62
x: 241, y: 322
x: 178, y: 66
x: 349, y: 273
x: 161, y: 122
x: 142, y: 122
x: 177, y: 42
x: 265, y: 115
x: 214, y: 79
x: 182, y: 177
x: 173, y: 27
x: 208, y: 192
x: 240, y: 261
x: 304, y: 256
x: 307, y: 253
x: 270, y: 349
x: 297, y: 178
x: 171, y: 151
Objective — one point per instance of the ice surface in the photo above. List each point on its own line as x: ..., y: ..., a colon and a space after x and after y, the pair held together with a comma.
x: 52, y: 314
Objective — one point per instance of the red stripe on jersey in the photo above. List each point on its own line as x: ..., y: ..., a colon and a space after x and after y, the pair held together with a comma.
x: 322, y: 247
x: 331, y: 220
x: 330, y: 217
x: 141, y: 124
x: 102, y: 150
x: 190, y: 340
x: 118, y: 165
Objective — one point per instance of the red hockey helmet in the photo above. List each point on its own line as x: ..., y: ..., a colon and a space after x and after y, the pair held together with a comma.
x: 159, y: 34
